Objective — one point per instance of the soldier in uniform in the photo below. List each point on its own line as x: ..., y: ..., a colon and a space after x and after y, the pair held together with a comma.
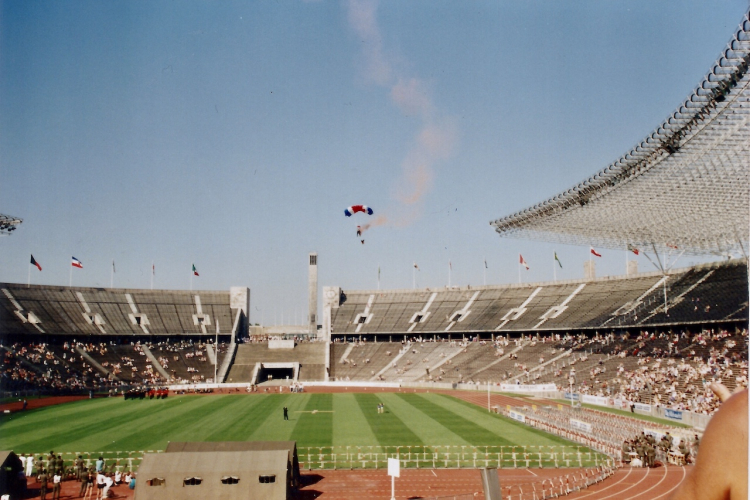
x: 79, y: 467
x: 639, y: 448
x: 650, y: 455
x: 42, y: 478
x: 625, y: 451
x: 86, y: 480
x: 685, y: 451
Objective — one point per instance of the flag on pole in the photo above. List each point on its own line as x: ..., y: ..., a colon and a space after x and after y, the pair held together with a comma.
x: 594, y: 252
x: 35, y: 263
x: 153, y: 270
x: 416, y: 266
x: 113, y: 267
x: 558, y: 260
x: 378, y: 272
x: 485, y: 263
x: 195, y: 271
x: 450, y: 265
x: 76, y: 263
x: 523, y: 262
x: 633, y: 249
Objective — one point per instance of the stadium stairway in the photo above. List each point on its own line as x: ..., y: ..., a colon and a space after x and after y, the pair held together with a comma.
x: 155, y: 362
x: 96, y: 364
x: 309, y: 355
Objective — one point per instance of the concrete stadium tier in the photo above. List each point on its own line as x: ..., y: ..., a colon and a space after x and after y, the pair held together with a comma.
x: 40, y: 309
x: 712, y: 293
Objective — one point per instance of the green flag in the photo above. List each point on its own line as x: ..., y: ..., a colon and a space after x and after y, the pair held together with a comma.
x: 558, y: 260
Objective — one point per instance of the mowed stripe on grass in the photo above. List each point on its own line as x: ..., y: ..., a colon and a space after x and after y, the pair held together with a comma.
x: 316, y: 420
x: 388, y: 428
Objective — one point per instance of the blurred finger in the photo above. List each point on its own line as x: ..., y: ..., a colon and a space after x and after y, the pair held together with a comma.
x: 720, y: 390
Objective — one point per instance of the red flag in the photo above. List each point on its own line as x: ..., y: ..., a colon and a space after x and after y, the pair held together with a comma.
x: 35, y: 263
x: 523, y: 262
x: 594, y: 252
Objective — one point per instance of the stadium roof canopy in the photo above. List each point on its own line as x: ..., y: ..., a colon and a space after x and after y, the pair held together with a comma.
x: 686, y: 186
x: 8, y: 223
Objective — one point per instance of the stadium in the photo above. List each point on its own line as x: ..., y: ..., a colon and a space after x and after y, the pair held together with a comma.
x: 511, y: 391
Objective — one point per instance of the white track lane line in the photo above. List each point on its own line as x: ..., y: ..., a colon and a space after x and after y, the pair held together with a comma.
x: 648, y: 471
x: 666, y: 471
x: 684, y: 473
x: 630, y: 470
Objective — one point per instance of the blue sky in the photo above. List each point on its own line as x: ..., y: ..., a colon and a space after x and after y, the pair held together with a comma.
x: 234, y: 134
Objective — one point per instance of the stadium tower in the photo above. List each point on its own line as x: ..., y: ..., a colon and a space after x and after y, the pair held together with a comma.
x: 312, y: 294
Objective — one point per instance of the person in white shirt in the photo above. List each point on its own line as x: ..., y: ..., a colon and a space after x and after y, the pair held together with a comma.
x: 29, y: 465
x: 118, y: 477
x: 108, y: 482
x: 56, y: 486
x: 101, y: 482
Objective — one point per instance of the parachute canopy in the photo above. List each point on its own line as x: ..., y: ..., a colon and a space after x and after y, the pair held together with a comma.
x: 357, y: 208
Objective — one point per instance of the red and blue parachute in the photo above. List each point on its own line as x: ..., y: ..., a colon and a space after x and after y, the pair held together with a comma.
x: 358, y: 208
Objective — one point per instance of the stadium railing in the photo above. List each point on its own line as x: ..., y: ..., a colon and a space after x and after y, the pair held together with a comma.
x: 548, y: 488
x: 448, y: 457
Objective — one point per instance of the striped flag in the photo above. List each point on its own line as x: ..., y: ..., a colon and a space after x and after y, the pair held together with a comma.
x: 76, y: 263
x: 195, y: 271
x: 523, y: 262
x: 633, y: 249
x: 35, y: 263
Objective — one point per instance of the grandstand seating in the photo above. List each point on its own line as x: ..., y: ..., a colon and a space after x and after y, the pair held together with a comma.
x: 98, y: 311
x: 708, y: 293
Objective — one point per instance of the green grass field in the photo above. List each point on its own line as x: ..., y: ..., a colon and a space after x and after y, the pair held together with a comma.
x: 345, y: 425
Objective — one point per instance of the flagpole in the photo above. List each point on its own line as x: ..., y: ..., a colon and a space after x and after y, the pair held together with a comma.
x: 112, y: 276
x: 519, y: 270
x: 484, y: 272
x: 626, y: 261
x: 414, y: 276
x: 450, y: 268
x: 70, y: 281
x: 378, y: 276
x: 152, y: 275
x: 191, y: 276
x: 216, y: 352
x: 29, y: 282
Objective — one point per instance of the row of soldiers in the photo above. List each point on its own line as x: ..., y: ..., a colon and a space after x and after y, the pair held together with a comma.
x: 55, y: 465
x: 644, y: 446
